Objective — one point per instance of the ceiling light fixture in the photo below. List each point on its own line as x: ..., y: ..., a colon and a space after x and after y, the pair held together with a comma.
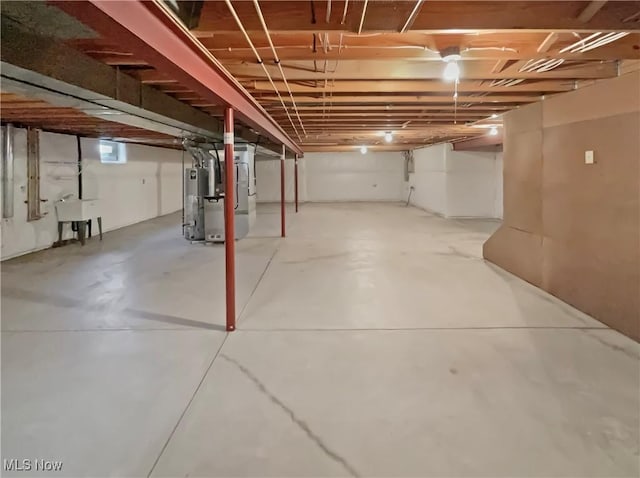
x: 388, y: 137
x: 493, y: 131
x: 494, y: 115
x: 451, y: 71
x: 363, y: 149
x: 451, y: 56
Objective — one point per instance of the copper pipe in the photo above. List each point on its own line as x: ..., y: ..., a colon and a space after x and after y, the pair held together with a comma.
x: 282, y: 205
x: 295, y: 181
x: 229, y: 221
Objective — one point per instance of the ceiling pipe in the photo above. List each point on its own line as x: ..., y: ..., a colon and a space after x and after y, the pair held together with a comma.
x: 412, y: 16
x: 344, y: 12
x: 277, y: 61
x: 364, y: 11
x: 259, y: 59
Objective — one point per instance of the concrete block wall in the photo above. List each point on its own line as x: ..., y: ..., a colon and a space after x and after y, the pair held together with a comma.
x: 147, y: 186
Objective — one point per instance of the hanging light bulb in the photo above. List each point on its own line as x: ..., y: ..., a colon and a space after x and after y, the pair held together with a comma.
x: 363, y: 149
x: 451, y: 71
x: 493, y: 131
x: 388, y: 137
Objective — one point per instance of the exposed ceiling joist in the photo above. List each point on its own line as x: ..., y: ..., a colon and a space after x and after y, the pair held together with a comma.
x: 433, y: 16
x: 401, y: 70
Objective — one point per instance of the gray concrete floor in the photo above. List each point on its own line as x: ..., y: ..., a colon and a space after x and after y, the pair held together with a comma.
x: 372, y: 341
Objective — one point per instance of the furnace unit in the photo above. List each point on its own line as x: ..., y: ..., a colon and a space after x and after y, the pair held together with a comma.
x: 204, y: 192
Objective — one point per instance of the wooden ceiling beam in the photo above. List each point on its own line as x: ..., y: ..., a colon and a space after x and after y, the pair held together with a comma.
x: 434, y: 16
x: 382, y: 100
x: 414, y: 45
x: 409, y: 70
x: 411, y: 86
x: 613, y: 52
x: 368, y: 109
x: 378, y: 116
x: 335, y: 148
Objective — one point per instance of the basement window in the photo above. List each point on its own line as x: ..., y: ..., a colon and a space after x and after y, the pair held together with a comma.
x: 112, y: 152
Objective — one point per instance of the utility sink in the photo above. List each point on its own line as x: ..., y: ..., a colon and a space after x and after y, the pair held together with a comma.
x: 78, y: 209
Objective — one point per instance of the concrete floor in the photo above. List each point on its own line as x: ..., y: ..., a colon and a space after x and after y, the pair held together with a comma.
x: 372, y: 341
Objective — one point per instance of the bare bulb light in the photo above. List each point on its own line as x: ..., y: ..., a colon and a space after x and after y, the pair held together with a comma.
x: 363, y: 149
x: 451, y: 71
x: 494, y: 115
x: 388, y: 137
x: 493, y: 131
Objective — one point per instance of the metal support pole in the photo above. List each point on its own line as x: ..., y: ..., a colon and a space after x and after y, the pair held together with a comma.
x: 295, y: 181
x: 229, y: 220
x: 282, y: 205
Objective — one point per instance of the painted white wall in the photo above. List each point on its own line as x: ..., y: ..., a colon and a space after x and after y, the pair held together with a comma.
x: 457, y: 183
x: 324, y: 177
x: 429, y: 180
x: 268, y: 180
x: 499, y: 204
x: 375, y: 176
x: 471, y: 184
x: 148, y: 185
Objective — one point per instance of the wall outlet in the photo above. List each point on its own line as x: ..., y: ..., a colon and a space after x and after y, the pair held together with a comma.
x: 588, y: 157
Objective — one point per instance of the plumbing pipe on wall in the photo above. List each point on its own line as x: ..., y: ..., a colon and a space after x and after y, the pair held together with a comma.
x: 7, y: 170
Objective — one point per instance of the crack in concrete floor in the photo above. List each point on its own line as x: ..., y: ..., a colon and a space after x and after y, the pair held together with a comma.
x: 294, y: 418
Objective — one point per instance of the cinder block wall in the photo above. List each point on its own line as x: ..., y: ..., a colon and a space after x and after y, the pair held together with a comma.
x: 572, y: 228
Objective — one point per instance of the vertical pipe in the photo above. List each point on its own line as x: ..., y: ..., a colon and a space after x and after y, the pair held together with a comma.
x: 229, y: 220
x: 282, y: 205
x: 7, y: 171
x: 79, y: 148
x: 33, y: 174
x: 295, y: 181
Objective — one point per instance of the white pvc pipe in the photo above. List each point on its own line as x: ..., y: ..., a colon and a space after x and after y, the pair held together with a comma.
x: 259, y: 58
x: 364, y: 11
x: 277, y: 60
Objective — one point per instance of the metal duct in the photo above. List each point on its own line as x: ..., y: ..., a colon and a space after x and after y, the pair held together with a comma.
x: 7, y: 170
x: 57, y: 93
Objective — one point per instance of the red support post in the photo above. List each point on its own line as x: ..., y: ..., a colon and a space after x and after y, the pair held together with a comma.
x: 295, y: 181
x: 282, y: 205
x: 229, y: 220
